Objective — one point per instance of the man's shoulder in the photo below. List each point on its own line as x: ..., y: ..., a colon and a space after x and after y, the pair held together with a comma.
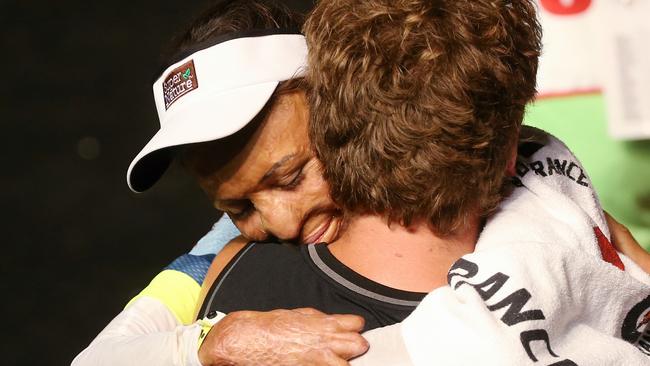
x: 253, y: 258
x: 261, y: 277
x: 269, y: 254
x: 255, y: 261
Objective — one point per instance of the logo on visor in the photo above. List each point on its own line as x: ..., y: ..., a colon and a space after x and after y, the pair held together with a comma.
x: 179, y: 82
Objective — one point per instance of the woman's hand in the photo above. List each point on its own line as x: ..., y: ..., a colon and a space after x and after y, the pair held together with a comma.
x: 625, y: 243
x: 283, y: 337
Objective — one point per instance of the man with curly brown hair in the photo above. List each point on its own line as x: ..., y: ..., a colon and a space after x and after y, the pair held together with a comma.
x: 416, y: 111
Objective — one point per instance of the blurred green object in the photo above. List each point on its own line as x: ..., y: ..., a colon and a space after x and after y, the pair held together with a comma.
x: 619, y: 170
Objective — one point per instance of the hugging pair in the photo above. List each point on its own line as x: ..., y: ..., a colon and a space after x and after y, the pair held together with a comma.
x: 392, y: 131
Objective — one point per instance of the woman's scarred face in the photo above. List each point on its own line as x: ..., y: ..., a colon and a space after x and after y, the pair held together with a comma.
x: 273, y: 187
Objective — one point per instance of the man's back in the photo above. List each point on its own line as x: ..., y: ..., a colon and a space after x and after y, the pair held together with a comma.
x: 281, y: 276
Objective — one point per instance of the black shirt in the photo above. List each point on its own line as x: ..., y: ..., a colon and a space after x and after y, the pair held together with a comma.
x: 265, y: 277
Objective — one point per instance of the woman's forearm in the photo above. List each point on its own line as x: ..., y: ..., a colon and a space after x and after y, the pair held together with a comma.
x: 145, y: 333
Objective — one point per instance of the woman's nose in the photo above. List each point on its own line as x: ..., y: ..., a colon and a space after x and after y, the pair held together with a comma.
x: 280, y: 220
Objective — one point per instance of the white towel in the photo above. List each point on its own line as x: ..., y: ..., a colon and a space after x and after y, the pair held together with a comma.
x: 544, y: 285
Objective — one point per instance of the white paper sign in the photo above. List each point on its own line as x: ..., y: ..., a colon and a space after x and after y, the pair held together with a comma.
x: 625, y: 35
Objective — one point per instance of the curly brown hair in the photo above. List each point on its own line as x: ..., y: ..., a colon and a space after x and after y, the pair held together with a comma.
x: 416, y: 104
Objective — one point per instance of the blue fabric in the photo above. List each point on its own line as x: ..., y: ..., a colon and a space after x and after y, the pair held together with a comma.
x: 223, y: 231
x: 197, y: 262
x: 195, y: 266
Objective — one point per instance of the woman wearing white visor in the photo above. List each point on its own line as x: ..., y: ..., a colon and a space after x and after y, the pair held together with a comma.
x: 234, y: 80
x: 262, y: 174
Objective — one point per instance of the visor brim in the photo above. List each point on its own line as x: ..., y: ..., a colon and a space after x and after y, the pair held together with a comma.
x: 212, y: 118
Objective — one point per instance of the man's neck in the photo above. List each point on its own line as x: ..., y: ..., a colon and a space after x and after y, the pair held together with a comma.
x: 410, y: 259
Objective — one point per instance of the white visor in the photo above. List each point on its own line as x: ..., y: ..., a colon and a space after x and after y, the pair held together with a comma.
x: 213, y: 93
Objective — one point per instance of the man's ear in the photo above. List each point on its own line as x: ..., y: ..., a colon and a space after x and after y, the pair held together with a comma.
x: 512, y: 160
x: 511, y: 170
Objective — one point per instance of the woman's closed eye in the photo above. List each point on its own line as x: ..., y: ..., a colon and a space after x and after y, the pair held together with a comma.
x: 240, y: 210
x: 290, y: 181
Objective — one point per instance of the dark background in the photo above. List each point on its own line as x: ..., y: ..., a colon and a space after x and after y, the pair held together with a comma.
x: 75, y: 108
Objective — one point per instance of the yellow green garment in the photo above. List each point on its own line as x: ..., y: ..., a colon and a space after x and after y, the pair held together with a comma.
x: 177, y: 290
x: 179, y: 284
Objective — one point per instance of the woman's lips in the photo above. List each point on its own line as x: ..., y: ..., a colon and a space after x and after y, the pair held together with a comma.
x: 332, y: 231
x: 318, y: 233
